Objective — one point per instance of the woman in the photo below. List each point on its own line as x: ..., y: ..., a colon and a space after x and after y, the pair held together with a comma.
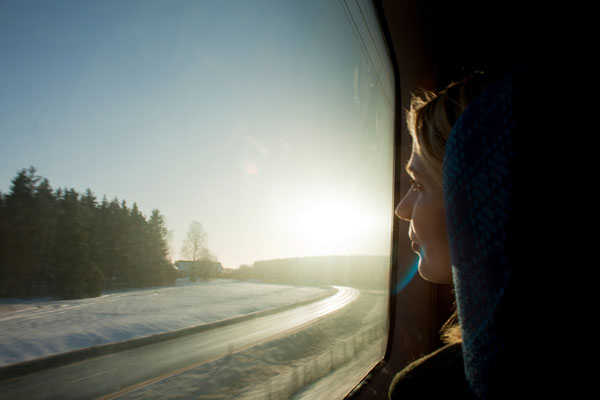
x: 430, y: 120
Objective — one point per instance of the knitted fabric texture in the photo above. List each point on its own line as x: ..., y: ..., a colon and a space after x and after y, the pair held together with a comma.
x: 482, y: 209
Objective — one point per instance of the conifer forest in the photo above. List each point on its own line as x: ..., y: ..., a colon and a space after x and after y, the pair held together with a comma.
x: 68, y: 245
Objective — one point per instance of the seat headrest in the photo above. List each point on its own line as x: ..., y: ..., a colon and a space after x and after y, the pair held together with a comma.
x: 483, y: 211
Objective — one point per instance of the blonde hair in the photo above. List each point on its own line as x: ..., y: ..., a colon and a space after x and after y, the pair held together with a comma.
x: 432, y: 115
x: 451, y: 332
x: 430, y: 119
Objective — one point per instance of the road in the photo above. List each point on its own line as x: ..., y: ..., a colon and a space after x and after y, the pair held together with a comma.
x: 112, y: 375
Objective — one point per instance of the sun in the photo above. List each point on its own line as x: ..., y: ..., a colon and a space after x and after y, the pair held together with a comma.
x: 331, y: 226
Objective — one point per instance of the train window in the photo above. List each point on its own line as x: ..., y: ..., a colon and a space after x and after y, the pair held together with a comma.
x: 195, y: 198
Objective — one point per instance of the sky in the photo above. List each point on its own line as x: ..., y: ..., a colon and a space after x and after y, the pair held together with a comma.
x: 269, y: 122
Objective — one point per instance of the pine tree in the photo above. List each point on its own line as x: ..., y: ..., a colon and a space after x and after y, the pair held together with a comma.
x: 103, y: 254
x: 77, y: 276
x: 45, y: 231
x: 137, y: 252
x: 159, y: 268
x: 19, y: 270
x: 116, y: 264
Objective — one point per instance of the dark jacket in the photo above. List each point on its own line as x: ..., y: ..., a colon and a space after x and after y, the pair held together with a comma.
x: 439, y: 375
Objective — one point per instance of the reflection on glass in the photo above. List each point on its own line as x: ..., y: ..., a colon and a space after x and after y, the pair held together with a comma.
x: 196, y: 161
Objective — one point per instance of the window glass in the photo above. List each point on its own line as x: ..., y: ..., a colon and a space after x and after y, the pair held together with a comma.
x: 167, y: 166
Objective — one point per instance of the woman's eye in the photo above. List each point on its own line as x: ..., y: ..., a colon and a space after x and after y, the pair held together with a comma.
x: 414, y: 185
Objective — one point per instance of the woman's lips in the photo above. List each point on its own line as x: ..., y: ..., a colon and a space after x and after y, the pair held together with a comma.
x: 415, y: 247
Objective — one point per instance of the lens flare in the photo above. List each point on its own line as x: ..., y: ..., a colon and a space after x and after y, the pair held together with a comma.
x: 407, y: 276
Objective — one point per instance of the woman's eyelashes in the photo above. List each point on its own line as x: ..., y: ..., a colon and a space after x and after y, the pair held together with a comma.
x: 415, y: 186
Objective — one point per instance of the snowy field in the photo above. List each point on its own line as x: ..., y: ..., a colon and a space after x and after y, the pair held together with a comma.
x: 321, y: 361
x: 35, y: 328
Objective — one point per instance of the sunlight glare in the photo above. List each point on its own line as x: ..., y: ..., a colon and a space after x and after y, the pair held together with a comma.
x: 331, y: 226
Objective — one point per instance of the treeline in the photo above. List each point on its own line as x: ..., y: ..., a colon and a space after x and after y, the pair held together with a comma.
x: 364, y: 272
x: 68, y: 245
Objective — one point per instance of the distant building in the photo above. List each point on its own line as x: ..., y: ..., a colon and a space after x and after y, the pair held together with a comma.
x: 201, y: 269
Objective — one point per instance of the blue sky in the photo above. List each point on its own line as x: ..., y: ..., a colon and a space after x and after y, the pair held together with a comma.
x: 263, y: 120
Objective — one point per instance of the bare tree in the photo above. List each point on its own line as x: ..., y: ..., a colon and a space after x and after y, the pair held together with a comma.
x: 194, y: 244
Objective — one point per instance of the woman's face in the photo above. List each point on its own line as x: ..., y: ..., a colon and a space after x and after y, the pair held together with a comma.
x: 423, y: 207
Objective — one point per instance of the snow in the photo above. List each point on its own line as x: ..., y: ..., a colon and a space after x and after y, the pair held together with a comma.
x: 321, y: 361
x: 36, y: 328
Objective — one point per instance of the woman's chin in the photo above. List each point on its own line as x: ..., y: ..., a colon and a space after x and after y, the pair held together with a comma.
x: 434, y: 272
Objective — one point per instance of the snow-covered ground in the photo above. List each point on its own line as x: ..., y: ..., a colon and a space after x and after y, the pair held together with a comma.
x: 31, y: 329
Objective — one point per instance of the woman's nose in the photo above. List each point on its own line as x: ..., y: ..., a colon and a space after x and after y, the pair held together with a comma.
x: 404, y: 208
